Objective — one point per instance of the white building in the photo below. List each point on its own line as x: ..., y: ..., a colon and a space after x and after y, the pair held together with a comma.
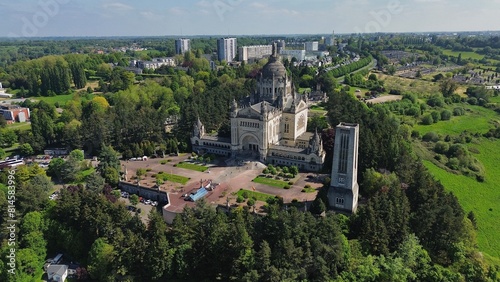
x: 330, y: 40
x: 312, y: 46
x: 300, y: 55
x: 182, y: 45
x: 57, y: 272
x: 271, y: 125
x: 344, y: 188
x: 256, y: 52
x: 226, y: 49
x: 156, y: 63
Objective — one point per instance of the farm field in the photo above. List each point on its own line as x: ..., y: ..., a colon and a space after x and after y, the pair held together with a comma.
x: 480, y: 198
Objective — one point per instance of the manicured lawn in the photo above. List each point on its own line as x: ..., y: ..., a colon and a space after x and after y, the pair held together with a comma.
x: 481, y: 198
x: 62, y: 99
x: 270, y: 182
x: 309, y: 190
x: 195, y: 167
x: 257, y: 195
x: 173, y: 177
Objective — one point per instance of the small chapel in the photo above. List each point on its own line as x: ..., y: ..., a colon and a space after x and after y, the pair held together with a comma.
x: 269, y: 125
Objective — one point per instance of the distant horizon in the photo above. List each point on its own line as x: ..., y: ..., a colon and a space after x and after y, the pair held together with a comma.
x: 187, y: 18
x: 174, y: 36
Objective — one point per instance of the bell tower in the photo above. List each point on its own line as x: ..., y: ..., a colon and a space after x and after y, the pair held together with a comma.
x: 344, y: 188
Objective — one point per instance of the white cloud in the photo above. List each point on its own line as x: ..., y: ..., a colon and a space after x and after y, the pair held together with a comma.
x: 117, y: 6
x: 150, y: 15
x: 176, y: 11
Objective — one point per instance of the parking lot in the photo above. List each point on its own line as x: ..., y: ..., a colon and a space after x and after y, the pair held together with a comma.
x: 141, y: 208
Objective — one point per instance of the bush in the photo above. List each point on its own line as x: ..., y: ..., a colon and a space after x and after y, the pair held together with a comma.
x: 307, y: 186
x: 427, y: 120
x: 445, y: 115
x: 441, y: 147
x: 251, y: 202
x: 245, y: 195
x: 415, y: 134
x: 287, y: 187
x: 453, y: 163
x: 431, y: 136
x: 458, y: 111
x: 472, y: 101
x: 240, y: 199
x: 290, y: 183
x: 436, y: 116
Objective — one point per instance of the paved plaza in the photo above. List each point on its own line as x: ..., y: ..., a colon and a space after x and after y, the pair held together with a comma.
x: 231, y: 175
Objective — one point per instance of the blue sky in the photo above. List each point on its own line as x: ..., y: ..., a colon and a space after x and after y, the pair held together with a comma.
x: 223, y: 17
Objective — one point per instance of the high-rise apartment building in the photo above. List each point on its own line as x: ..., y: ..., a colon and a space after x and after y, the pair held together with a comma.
x: 226, y: 49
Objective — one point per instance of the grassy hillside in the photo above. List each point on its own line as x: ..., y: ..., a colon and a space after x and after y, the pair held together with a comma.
x: 477, y: 119
x: 481, y: 198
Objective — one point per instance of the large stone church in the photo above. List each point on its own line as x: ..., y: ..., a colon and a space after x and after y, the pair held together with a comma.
x: 269, y: 125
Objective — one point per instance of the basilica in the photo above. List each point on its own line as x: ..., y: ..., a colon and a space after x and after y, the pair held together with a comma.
x: 269, y: 125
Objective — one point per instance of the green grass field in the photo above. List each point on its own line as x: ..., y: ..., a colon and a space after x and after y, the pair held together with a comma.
x: 481, y: 198
x: 478, y: 119
x: 270, y: 182
x: 257, y: 195
x: 173, y: 177
x: 20, y: 126
x: 61, y: 99
x: 465, y: 55
x: 194, y: 167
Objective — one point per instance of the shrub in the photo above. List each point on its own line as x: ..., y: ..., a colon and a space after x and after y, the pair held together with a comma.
x: 307, y: 186
x: 240, y: 199
x: 445, y: 115
x: 453, y: 163
x: 251, y: 202
x: 148, y: 169
x: 245, y: 195
x: 441, y: 147
x: 458, y: 111
x: 427, y: 120
x: 290, y: 183
x: 287, y: 187
x: 472, y: 101
x: 431, y: 136
x: 415, y: 134
x: 436, y: 116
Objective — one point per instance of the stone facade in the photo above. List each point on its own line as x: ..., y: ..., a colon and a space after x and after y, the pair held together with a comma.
x: 270, y: 124
x: 344, y: 189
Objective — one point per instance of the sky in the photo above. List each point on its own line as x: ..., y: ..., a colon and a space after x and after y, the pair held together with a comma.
x: 42, y: 18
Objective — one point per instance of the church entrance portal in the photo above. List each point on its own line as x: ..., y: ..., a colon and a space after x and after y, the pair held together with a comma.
x: 250, y: 143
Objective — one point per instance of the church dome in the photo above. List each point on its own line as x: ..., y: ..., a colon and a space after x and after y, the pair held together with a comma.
x: 273, y: 68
